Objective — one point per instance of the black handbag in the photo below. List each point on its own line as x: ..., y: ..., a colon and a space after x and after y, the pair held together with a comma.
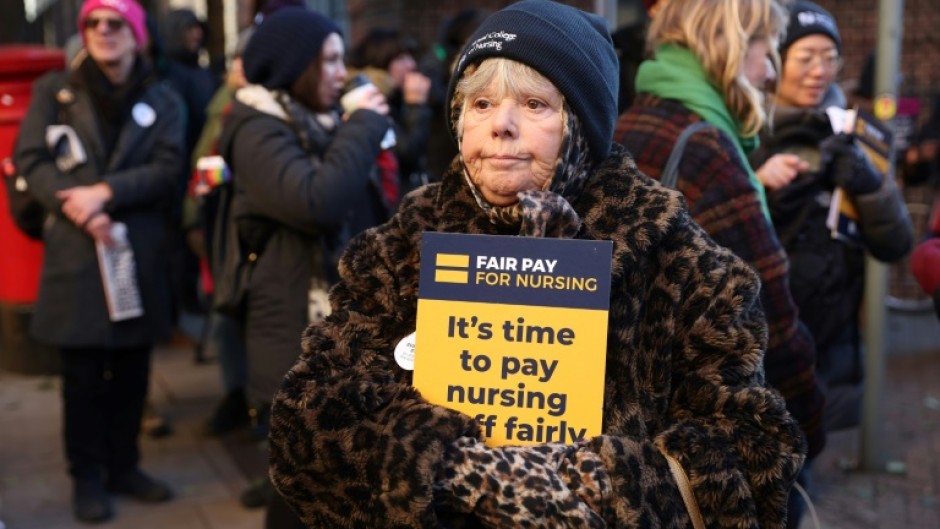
x: 27, y: 213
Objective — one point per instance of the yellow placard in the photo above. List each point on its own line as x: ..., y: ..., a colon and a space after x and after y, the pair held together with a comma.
x: 513, y: 332
x: 529, y: 375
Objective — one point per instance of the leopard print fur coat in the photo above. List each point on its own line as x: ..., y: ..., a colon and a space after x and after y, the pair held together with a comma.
x: 353, y: 444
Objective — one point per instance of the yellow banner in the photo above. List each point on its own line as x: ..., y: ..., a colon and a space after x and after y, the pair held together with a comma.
x: 529, y: 375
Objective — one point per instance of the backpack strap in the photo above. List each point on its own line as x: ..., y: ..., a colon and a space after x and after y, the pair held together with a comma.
x: 670, y: 174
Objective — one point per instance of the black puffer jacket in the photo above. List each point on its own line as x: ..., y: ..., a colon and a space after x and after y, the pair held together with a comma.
x: 827, y: 275
x: 297, y: 197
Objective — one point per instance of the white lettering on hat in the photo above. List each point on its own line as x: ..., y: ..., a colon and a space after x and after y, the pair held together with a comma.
x: 493, y: 40
x: 812, y: 18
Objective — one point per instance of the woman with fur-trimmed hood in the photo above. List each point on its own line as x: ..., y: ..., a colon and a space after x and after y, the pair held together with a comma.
x: 353, y: 444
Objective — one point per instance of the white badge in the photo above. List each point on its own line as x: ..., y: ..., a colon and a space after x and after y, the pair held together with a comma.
x: 144, y: 114
x: 405, y: 352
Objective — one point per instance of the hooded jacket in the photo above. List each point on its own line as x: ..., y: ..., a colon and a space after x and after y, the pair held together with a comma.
x: 291, y: 197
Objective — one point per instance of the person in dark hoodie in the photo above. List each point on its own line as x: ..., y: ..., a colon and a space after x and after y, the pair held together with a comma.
x: 183, y: 37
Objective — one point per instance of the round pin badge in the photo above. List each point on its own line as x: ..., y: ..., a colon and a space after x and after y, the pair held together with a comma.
x: 405, y: 352
x: 143, y: 114
x: 65, y: 96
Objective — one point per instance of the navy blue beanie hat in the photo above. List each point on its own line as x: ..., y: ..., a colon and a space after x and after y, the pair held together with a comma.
x: 807, y: 18
x: 570, y: 47
x: 284, y: 45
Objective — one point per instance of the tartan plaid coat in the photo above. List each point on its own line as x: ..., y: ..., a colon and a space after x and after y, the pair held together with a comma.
x: 723, y: 201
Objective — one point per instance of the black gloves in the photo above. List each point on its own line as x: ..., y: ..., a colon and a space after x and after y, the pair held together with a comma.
x: 847, y: 166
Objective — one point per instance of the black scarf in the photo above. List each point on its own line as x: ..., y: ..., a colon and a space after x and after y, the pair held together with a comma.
x: 112, y: 104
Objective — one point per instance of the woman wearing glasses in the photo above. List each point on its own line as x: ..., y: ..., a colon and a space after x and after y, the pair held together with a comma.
x: 800, y: 162
x: 114, y: 164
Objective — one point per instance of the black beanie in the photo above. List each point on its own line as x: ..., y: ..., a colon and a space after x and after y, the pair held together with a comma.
x: 284, y: 45
x: 571, y: 48
x: 807, y: 18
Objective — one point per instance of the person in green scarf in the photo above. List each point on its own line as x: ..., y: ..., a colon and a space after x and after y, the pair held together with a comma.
x: 711, y: 59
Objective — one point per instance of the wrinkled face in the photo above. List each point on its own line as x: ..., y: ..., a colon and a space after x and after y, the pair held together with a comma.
x: 758, y: 68
x: 511, y: 138
x: 809, y: 68
x: 333, y: 71
x: 108, y: 37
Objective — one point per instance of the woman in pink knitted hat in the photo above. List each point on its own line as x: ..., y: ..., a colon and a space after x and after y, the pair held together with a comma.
x: 99, y: 148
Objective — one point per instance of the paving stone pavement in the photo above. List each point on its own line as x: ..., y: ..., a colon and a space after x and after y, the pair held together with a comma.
x: 208, y: 474
x: 906, y: 492
x: 35, y: 492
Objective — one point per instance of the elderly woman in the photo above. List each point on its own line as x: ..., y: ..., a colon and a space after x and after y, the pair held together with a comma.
x: 353, y: 444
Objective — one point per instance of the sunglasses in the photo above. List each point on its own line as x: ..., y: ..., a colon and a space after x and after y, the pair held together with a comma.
x: 113, y: 24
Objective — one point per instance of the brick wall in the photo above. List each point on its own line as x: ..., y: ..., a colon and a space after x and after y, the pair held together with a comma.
x: 920, y: 50
x: 920, y: 70
x: 419, y: 18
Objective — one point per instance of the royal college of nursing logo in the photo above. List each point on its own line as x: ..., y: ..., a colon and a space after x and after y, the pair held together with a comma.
x: 493, y: 40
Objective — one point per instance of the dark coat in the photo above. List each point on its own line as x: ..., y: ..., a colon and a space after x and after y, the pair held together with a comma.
x: 354, y: 445
x: 141, y: 171
x: 297, y: 202
x: 827, y: 276
x: 413, y: 129
x: 721, y: 199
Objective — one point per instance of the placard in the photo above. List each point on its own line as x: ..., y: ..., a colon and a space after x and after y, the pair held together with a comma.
x: 513, y: 332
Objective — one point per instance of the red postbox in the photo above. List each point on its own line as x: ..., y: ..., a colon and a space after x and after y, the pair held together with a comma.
x: 20, y: 256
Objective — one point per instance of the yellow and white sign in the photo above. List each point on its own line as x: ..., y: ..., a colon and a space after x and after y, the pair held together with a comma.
x: 513, y: 332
